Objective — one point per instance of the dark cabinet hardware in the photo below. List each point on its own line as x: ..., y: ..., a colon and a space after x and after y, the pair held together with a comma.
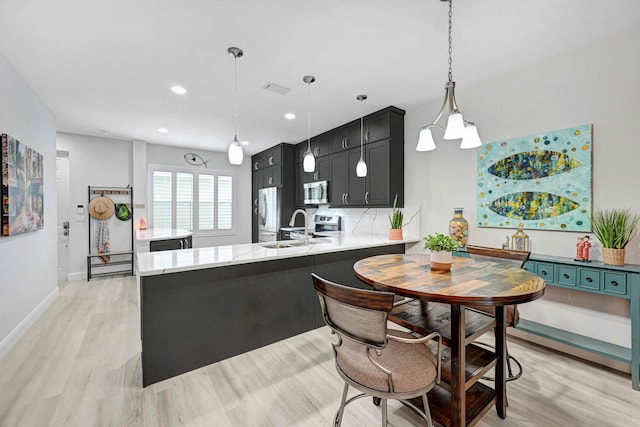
x: 589, y: 279
x: 614, y: 283
x: 565, y: 275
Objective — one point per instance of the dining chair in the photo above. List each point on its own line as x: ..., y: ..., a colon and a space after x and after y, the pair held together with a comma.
x: 376, y: 361
x: 516, y: 258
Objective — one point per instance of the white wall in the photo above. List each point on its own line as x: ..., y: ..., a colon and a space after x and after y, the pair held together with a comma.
x: 174, y: 156
x: 98, y: 162
x: 597, y: 83
x: 28, y: 263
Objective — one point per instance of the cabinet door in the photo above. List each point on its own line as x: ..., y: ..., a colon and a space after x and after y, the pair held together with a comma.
x: 339, y: 179
x: 301, y: 178
x: 322, y: 169
x: 356, y: 188
x: 256, y: 181
x: 256, y: 162
x: 273, y: 156
x: 377, y: 127
x: 378, y: 189
x: 345, y: 137
x: 272, y: 176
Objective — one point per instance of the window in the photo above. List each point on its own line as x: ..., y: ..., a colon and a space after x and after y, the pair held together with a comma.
x: 203, y: 202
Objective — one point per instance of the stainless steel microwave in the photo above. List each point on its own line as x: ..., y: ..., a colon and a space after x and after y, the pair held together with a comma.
x: 316, y: 193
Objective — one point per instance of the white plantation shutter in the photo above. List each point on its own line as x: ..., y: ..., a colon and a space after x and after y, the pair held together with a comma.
x: 162, y: 199
x: 184, y: 201
x: 206, y: 199
x: 225, y: 202
x: 202, y: 202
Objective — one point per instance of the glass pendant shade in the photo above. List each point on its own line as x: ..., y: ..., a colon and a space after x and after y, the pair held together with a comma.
x: 309, y: 162
x: 425, y: 140
x: 455, y: 127
x: 471, y: 139
x: 361, y: 168
x: 235, y: 152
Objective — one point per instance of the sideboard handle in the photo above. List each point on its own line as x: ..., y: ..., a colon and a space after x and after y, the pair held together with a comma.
x: 544, y: 272
x: 565, y: 275
x: 614, y: 283
x: 589, y: 279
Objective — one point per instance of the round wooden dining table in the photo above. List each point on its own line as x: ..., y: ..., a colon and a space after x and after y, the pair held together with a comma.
x: 469, y: 282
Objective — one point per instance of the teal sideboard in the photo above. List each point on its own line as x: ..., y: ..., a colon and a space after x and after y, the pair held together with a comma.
x: 598, y: 278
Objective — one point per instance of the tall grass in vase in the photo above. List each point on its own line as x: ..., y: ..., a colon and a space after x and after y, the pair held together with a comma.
x: 614, y: 229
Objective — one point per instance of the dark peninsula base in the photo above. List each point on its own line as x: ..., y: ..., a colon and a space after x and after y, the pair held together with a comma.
x: 194, y: 318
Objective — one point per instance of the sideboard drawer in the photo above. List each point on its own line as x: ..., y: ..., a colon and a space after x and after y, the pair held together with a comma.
x: 545, y: 270
x: 616, y: 283
x: 566, y: 275
x: 589, y: 278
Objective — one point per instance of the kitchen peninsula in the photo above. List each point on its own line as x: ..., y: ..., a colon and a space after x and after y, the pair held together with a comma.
x: 202, y: 305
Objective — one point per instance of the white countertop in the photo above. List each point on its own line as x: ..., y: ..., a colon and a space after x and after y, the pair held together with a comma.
x: 153, y: 263
x: 161, y: 234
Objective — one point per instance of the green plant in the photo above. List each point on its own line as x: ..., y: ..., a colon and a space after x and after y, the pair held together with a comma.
x: 397, y: 216
x: 439, y: 242
x: 614, y: 228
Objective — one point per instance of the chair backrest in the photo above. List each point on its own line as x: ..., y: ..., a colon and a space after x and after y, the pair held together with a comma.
x: 516, y: 257
x: 356, y: 313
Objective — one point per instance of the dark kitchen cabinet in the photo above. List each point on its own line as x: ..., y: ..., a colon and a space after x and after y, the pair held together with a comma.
x: 170, y: 244
x: 345, y: 187
x: 385, y: 173
x: 345, y: 137
x: 256, y: 180
x: 274, y: 167
x: 388, y: 123
x: 319, y: 147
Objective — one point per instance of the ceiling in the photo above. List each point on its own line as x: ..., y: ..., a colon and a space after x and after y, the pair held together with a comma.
x: 105, y: 67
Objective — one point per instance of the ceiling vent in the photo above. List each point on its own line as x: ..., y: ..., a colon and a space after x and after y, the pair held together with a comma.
x: 276, y: 88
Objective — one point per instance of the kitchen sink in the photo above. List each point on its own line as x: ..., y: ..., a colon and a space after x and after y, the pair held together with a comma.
x: 292, y: 243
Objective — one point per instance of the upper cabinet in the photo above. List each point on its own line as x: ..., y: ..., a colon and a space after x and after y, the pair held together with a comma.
x: 337, y: 152
x: 344, y: 137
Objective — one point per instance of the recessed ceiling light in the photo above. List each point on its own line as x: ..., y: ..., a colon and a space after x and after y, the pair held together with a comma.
x: 163, y: 130
x: 245, y: 143
x: 178, y: 89
x: 289, y: 116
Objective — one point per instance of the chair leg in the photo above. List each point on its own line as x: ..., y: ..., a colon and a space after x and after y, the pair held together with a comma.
x: 338, y: 420
x: 425, y: 403
x: 384, y: 412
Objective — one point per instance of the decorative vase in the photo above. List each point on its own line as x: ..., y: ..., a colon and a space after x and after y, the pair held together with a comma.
x: 459, y: 227
x: 395, y: 234
x: 441, y: 260
x: 613, y: 256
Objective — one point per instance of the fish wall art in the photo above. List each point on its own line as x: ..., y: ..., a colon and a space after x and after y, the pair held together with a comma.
x: 541, y: 181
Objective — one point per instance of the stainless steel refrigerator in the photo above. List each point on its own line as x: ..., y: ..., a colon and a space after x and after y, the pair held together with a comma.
x: 268, y: 214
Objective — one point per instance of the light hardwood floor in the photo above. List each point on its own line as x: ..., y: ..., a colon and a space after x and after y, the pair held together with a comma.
x: 79, y: 365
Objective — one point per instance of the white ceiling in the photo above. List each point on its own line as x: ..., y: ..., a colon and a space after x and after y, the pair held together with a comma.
x: 105, y: 67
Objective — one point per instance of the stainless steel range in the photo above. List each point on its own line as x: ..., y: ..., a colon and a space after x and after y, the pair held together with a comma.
x: 323, y: 223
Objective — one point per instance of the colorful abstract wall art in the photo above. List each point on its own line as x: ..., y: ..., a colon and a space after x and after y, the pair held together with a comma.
x: 538, y: 182
x: 22, y: 188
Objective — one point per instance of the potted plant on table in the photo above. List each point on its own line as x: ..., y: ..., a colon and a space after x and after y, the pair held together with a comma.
x: 614, y: 228
x: 441, y: 247
x: 396, y: 217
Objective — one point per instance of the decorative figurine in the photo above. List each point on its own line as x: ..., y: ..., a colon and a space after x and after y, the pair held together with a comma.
x: 582, y: 249
x: 505, y: 245
x: 579, y: 250
x: 585, y: 250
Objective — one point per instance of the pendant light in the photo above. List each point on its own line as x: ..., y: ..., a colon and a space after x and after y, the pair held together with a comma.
x: 361, y: 167
x: 457, y: 126
x: 309, y: 161
x: 235, y: 149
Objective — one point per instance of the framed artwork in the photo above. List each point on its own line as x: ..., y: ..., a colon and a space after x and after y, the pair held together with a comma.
x: 541, y: 182
x: 22, y: 188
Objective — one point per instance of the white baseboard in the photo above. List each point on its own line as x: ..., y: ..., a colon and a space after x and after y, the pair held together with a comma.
x: 76, y: 276
x: 7, y: 344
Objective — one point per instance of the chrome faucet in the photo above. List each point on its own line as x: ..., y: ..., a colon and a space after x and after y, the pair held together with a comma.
x: 306, y: 223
